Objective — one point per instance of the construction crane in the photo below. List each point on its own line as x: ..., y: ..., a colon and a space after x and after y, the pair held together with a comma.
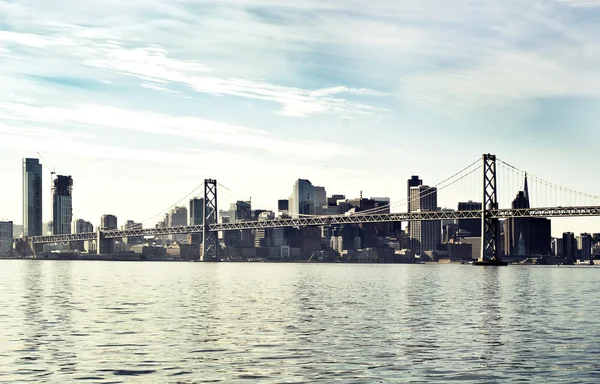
x: 52, y: 172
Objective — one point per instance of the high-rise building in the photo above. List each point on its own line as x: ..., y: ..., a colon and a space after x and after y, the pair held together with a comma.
x: 177, y: 217
x: 302, y: 200
x: 425, y: 235
x: 320, y: 200
x: 240, y: 211
x: 518, y: 227
x: 6, y: 237
x: 540, y: 236
x: 473, y: 226
x: 62, y: 205
x: 412, y: 182
x: 32, y: 197
x: 584, y: 246
x: 569, y: 246
x: 533, y: 233
x: 81, y: 226
x: 108, y: 222
x: 283, y: 206
x: 197, y: 211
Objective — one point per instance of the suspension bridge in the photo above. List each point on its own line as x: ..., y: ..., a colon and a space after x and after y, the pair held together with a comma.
x: 487, y: 171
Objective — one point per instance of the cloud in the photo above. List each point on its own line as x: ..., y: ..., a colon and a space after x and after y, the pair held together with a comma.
x: 580, y: 3
x: 152, y: 63
x: 153, y: 123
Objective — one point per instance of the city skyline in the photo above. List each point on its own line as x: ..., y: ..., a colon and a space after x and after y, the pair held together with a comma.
x: 140, y: 118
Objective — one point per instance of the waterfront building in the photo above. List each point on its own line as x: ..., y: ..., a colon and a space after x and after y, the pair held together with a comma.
x: 32, y: 197
x: 569, y: 246
x: 584, y: 246
x: 62, y: 205
x: 425, y: 235
x: 6, y: 237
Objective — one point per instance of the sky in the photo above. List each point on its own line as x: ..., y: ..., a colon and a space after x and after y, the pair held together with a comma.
x: 140, y: 101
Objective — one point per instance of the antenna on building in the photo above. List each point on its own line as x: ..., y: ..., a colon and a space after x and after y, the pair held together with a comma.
x: 361, y: 195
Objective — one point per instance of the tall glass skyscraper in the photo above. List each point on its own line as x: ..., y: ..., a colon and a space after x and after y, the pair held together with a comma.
x: 62, y: 205
x: 302, y: 200
x: 32, y: 197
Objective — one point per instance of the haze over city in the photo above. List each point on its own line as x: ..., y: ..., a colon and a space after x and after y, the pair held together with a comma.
x: 141, y: 105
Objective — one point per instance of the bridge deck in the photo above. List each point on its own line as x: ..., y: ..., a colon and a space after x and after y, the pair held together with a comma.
x: 328, y: 220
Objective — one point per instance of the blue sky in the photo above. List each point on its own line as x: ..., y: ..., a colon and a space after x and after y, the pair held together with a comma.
x: 141, y: 100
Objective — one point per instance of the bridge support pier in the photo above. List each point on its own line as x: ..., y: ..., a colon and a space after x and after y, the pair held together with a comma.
x: 210, y: 240
x: 104, y: 246
x: 489, y: 225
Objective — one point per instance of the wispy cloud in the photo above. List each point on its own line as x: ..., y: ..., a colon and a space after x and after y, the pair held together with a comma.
x: 187, y: 127
x: 580, y: 3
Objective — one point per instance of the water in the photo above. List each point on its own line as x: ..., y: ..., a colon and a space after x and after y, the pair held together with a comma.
x: 119, y: 322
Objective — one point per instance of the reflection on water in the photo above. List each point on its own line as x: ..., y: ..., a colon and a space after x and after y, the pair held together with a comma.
x: 64, y: 321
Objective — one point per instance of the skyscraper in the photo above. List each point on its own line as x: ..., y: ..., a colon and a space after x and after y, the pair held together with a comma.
x: 62, y: 205
x: 197, y: 211
x: 534, y: 232
x: 320, y: 200
x: 32, y: 197
x: 412, y: 182
x: 425, y: 235
x: 569, y: 246
x: 473, y: 226
x: 302, y: 200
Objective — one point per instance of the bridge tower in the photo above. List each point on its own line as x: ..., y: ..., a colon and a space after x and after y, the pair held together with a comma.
x: 489, y: 225
x: 210, y: 240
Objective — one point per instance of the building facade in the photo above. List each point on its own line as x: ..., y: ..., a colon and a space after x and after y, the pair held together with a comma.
x: 197, y: 211
x: 81, y: 226
x: 108, y: 222
x: 6, y: 237
x: 425, y: 235
x: 302, y: 200
x: 473, y: 226
x: 32, y: 197
x: 62, y: 205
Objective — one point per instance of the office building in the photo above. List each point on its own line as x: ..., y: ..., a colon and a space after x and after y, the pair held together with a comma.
x: 62, y: 205
x: 197, y: 211
x: 32, y: 197
x: 108, y: 222
x: 425, y: 235
x: 517, y: 229
x: 81, y: 226
x: 569, y: 246
x: 584, y: 246
x: 6, y: 237
x: 540, y: 236
x: 526, y: 236
x: 302, y: 200
x: 412, y: 182
x: 473, y: 226
x: 240, y: 211
x: 320, y: 200
x: 283, y: 206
